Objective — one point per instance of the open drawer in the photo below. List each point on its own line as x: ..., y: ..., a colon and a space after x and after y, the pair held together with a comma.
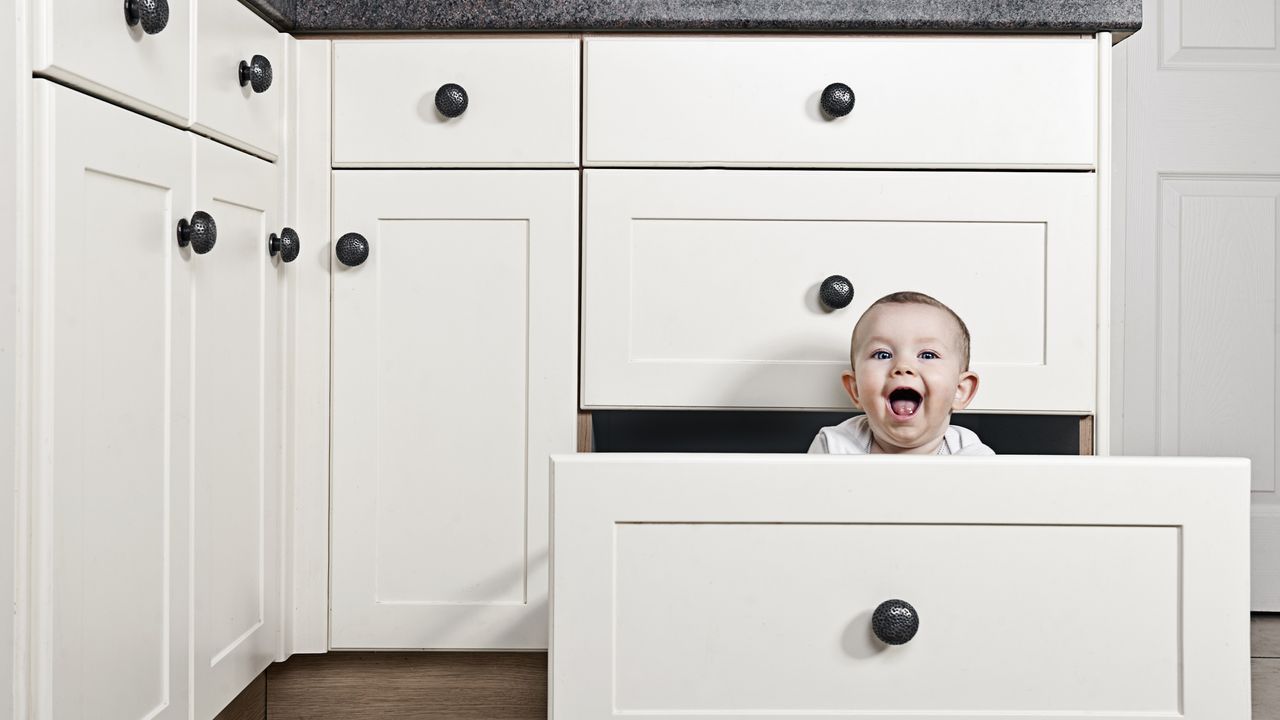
x: 685, y: 586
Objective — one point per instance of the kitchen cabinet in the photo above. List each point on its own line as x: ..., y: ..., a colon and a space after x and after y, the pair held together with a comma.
x: 178, y: 61
x: 236, y: 333
x: 113, y: 471
x: 695, y: 585
x: 454, y: 375
x: 911, y: 101
x: 240, y: 78
x: 157, y: 503
x: 701, y: 287
x: 140, y: 57
x: 512, y: 102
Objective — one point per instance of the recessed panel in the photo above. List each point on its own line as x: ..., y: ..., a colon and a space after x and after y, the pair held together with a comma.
x: 111, y: 448
x: 452, y: 304
x: 774, y: 620
x: 744, y: 290
x: 230, y: 375
x: 1217, y: 291
x: 1208, y: 34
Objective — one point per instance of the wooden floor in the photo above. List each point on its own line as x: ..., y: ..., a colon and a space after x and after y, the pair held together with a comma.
x: 509, y: 686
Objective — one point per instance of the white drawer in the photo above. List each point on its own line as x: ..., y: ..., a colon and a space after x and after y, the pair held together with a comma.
x: 522, y: 103
x: 994, y: 102
x: 700, y: 288
x: 744, y: 587
x: 89, y: 44
x: 229, y: 33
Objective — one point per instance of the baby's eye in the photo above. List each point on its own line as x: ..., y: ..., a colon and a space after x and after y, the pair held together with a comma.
x: 928, y: 355
x: 881, y: 355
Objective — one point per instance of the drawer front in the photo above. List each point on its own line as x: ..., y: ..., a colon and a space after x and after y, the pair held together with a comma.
x: 922, y: 102
x: 700, y: 289
x: 693, y: 586
x: 90, y: 45
x: 229, y: 33
x: 522, y: 105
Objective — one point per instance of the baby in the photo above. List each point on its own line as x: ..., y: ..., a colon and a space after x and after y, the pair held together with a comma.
x: 910, y: 360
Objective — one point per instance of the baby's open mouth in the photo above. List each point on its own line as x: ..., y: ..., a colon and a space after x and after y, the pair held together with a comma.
x: 904, y: 402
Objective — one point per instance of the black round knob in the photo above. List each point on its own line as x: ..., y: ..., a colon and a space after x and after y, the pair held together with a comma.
x: 287, y: 244
x: 837, y: 100
x: 201, y: 232
x: 352, y: 249
x: 836, y: 292
x: 895, y: 622
x: 256, y: 73
x: 152, y: 14
x: 451, y: 100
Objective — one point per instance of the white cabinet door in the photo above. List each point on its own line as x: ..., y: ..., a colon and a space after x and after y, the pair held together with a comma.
x: 700, y: 288
x: 454, y: 366
x: 745, y: 587
x: 236, y: 338
x: 112, y: 394
x: 229, y: 33
x: 89, y: 44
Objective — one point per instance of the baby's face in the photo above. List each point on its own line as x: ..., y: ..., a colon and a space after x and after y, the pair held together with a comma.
x: 907, y: 375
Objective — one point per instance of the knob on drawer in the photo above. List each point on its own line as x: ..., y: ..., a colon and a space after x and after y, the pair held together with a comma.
x: 152, y: 14
x: 287, y: 244
x: 451, y: 100
x: 837, y: 100
x: 895, y: 622
x: 256, y: 72
x: 352, y: 249
x: 201, y: 232
x: 836, y: 292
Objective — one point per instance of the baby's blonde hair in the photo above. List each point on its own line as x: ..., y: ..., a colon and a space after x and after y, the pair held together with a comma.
x: 909, y: 297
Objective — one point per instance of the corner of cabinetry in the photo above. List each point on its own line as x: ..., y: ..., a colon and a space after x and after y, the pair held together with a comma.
x: 307, y: 202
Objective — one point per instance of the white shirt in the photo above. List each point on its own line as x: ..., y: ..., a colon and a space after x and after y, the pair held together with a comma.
x: 853, y: 437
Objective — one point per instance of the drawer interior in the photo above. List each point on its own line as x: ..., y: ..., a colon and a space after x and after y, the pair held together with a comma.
x: 792, y: 431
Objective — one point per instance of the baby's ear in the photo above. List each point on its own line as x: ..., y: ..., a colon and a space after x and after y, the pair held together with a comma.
x: 966, y: 388
x: 851, y: 387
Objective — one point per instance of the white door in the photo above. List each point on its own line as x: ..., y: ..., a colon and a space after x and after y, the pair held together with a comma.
x: 236, y: 337
x: 112, y: 413
x: 736, y: 587
x: 1197, y: 230
x: 701, y: 287
x: 454, y: 378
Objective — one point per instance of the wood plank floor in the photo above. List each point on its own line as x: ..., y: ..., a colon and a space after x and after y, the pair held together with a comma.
x: 510, y: 686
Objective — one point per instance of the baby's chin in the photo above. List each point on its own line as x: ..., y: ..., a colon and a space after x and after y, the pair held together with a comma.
x: 903, y: 438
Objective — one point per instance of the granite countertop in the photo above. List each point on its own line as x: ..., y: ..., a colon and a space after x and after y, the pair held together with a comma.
x: 322, y: 16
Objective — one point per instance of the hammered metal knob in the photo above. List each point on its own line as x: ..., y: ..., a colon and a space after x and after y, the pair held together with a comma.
x: 451, y: 100
x: 836, y: 292
x: 201, y: 232
x: 256, y: 73
x: 895, y: 622
x: 153, y: 15
x: 352, y: 249
x: 837, y: 100
x: 287, y: 244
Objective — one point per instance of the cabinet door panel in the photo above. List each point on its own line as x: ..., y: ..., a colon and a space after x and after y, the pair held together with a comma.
x: 111, y: 383
x: 744, y: 587
x: 237, y: 413
x: 454, y: 349
x: 89, y: 44
x: 700, y: 289
x: 228, y: 33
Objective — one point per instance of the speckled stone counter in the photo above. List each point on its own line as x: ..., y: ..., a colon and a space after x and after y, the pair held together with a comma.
x: 315, y: 16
